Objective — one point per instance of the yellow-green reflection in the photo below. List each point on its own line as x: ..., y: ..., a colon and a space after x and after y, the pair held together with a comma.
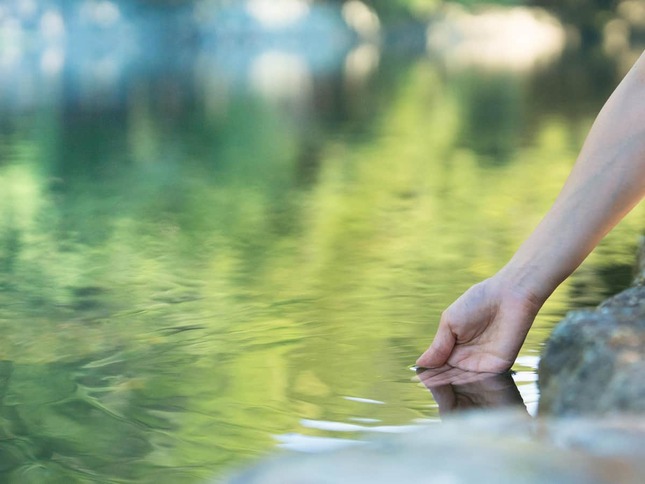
x: 179, y: 291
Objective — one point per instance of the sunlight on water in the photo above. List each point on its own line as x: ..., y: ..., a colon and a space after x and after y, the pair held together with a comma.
x: 207, y: 257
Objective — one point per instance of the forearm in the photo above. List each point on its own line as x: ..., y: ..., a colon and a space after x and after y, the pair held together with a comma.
x: 606, y: 182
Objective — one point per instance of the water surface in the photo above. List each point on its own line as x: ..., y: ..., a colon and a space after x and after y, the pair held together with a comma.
x: 199, y: 264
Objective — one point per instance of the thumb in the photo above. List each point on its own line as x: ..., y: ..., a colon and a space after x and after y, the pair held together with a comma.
x: 440, y: 349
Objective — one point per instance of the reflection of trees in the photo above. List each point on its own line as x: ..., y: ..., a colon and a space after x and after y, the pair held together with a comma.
x: 55, y: 429
x: 491, y: 115
x: 233, y: 298
x: 111, y: 417
x: 576, y: 86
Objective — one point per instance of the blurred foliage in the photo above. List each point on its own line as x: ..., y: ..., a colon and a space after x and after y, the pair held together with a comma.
x: 588, y: 16
x: 474, y: 3
x: 181, y: 286
x: 393, y: 10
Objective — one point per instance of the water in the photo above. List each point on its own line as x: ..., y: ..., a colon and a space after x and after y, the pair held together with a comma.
x: 200, y: 264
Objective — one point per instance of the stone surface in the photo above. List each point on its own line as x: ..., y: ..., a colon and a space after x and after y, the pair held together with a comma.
x: 640, y: 265
x: 498, y: 447
x: 594, y: 361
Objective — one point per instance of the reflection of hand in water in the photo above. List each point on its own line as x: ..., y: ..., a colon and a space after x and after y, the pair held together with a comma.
x: 456, y: 390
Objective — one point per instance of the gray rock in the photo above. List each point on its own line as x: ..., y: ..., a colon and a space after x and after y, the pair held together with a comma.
x: 497, y: 447
x: 640, y: 265
x: 594, y: 361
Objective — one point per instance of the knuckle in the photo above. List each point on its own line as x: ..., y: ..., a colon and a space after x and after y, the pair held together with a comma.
x: 446, y: 316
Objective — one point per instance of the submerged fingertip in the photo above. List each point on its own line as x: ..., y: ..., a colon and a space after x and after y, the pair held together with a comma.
x: 432, y: 358
x: 423, y: 362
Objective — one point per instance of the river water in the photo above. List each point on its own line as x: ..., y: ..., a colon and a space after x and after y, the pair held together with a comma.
x: 204, y: 258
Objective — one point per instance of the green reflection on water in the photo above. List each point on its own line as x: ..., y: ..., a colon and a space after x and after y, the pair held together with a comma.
x: 179, y: 287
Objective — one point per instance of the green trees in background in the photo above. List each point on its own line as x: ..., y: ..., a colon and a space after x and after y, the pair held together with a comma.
x: 588, y: 16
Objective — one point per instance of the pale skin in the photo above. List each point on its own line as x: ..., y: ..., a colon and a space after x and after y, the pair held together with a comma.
x: 484, y: 329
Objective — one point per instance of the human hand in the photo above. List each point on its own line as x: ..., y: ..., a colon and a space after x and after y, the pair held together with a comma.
x: 483, y: 330
x: 456, y: 390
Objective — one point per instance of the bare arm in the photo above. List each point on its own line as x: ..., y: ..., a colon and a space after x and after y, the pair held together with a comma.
x: 484, y: 329
x: 606, y: 182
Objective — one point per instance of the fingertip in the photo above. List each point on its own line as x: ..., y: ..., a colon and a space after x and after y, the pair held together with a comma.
x: 429, y: 359
x: 421, y: 360
x: 439, y: 351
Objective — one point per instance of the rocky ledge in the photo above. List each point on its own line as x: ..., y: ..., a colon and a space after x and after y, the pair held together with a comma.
x: 492, y: 447
x: 594, y: 361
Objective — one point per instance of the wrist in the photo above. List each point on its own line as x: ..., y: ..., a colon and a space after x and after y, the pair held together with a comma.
x: 530, y: 281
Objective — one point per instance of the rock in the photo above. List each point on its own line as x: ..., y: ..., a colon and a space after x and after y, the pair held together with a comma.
x: 499, y: 447
x: 593, y: 361
x: 640, y: 265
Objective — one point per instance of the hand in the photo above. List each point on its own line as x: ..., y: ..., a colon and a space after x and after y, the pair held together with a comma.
x: 484, y: 329
x: 457, y: 390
